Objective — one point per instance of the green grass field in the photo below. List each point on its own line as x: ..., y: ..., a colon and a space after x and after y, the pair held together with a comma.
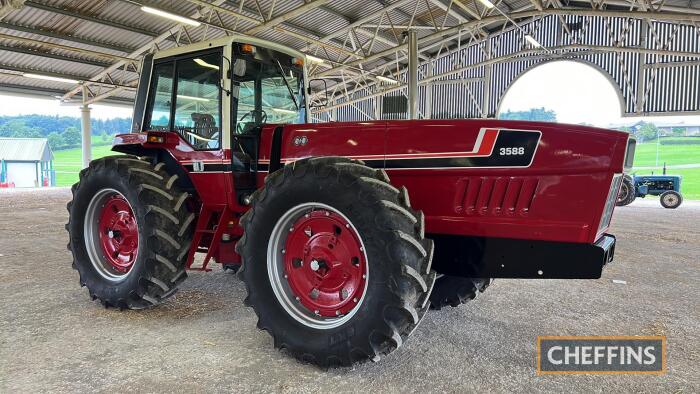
x: 645, y: 156
x: 67, y: 164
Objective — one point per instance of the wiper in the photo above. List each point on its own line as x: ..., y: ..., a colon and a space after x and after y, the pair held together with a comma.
x: 289, y: 88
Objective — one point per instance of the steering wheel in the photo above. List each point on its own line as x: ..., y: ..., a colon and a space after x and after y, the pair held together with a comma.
x: 239, y: 125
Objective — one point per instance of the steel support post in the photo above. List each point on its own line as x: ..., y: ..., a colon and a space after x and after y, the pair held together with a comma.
x: 642, y: 72
x: 486, y: 86
x: 86, y: 131
x: 412, y: 75
x: 429, y: 91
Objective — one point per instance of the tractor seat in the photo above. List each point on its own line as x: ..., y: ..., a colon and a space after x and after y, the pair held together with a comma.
x: 205, y: 126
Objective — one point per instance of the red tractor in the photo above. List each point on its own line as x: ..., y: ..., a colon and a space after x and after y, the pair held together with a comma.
x: 345, y: 233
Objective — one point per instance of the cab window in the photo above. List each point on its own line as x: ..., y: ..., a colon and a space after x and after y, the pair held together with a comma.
x: 161, y: 94
x: 198, y: 101
x: 266, y: 92
x: 186, y: 97
x: 277, y: 101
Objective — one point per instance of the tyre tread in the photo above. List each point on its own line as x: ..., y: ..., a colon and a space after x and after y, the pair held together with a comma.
x: 167, y: 229
x: 413, y: 279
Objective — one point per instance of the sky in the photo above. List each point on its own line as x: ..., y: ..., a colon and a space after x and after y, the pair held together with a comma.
x: 577, y: 92
x: 13, y: 105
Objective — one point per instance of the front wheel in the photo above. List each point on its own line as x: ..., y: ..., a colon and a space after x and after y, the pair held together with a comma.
x: 671, y: 199
x: 130, y: 231
x: 335, y: 262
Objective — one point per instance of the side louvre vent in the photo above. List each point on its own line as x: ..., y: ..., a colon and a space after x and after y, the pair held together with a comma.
x: 495, y: 196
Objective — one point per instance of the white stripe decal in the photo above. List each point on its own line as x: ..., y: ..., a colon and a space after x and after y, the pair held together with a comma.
x: 435, y: 155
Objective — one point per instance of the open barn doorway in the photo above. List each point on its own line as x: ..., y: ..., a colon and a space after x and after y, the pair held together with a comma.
x: 563, y: 91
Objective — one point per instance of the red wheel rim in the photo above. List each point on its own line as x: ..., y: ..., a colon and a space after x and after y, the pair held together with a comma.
x: 118, y: 233
x: 325, y: 264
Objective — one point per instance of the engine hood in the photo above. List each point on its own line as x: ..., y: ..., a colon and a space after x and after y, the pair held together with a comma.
x: 495, y: 145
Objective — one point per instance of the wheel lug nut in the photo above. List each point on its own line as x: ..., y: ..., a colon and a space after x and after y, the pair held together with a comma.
x: 283, y: 251
x: 297, y: 298
x: 314, y: 293
x: 337, y: 313
x: 317, y: 312
x: 347, y: 225
x: 328, y: 213
x: 354, y: 299
x: 291, y: 229
x: 364, y: 276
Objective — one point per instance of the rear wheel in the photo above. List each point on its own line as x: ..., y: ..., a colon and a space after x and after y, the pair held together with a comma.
x: 130, y: 231
x: 671, y: 199
x: 456, y: 290
x: 335, y: 262
x: 458, y: 264
x: 232, y: 268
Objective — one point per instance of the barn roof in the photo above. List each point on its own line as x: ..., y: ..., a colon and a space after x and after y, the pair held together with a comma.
x: 101, y: 42
x: 25, y: 149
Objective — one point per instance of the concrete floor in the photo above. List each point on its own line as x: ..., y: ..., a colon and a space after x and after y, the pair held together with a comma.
x: 53, y: 338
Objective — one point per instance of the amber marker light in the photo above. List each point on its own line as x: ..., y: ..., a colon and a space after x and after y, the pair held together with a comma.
x: 155, y: 139
x: 248, y: 49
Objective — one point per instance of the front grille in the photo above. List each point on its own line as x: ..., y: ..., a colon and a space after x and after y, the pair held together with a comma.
x: 610, y: 202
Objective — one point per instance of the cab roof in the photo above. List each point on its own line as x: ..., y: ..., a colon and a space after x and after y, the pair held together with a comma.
x: 229, y: 40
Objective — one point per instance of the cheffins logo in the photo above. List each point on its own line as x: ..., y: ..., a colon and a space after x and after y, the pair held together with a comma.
x: 601, y: 355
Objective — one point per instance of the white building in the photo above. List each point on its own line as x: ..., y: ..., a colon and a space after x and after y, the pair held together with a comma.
x: 26, y: 162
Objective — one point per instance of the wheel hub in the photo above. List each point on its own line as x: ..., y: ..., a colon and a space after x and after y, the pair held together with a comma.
x: 324, y: 263
x: 118, y: 233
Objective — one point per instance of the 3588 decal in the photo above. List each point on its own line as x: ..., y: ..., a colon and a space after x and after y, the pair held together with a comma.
x: 514, y: 151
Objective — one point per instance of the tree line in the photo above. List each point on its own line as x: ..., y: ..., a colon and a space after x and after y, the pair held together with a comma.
x: 534, y: 114
x: 645, y: 131
x: 62, y: 132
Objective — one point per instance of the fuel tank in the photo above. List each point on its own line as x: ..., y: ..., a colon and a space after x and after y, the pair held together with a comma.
x: 478, y: 177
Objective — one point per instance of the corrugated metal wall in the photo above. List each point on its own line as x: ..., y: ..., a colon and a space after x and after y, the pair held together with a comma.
x: 664, y: 88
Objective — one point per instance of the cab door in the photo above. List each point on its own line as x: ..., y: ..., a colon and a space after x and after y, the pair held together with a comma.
x: 186, y: 97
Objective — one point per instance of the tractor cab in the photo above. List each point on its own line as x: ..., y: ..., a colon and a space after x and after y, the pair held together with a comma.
x: 211, y: 91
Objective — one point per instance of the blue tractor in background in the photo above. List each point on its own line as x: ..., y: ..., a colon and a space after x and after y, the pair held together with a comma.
x: 666, y: 186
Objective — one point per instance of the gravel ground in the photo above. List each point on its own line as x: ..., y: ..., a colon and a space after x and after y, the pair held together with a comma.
x: 53, y: 338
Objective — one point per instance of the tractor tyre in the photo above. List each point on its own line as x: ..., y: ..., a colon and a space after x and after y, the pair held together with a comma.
x: 335, y: 262
x: 458, y: 263
x: 450, y: 290
x: 130, y: 231
x: 628, y: 192
x: 671, y: 199
x: 231, y: 268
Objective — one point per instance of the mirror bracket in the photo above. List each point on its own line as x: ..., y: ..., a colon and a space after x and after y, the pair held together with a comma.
x: 325, y: 93
x: 228, y: 76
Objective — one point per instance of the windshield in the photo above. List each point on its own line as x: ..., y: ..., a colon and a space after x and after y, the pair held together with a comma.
x: 266, y: 93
